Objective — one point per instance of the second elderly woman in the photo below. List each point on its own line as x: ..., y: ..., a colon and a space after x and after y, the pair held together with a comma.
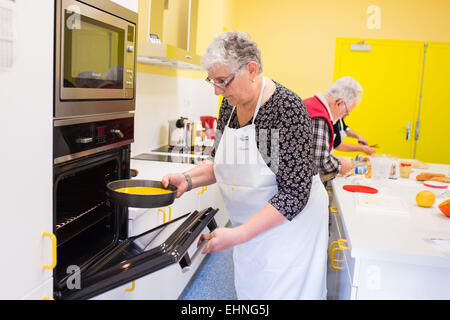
x: 265, y: 171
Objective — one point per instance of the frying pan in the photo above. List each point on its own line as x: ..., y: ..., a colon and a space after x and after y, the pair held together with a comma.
x: 139, y: 200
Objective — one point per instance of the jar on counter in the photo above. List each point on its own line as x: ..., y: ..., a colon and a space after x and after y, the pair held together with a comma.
x: 405, y: 169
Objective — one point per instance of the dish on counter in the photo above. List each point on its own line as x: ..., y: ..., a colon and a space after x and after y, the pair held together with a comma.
x: 437, y: 187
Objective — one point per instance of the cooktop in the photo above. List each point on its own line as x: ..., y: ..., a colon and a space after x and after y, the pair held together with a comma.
x: 167, y: 153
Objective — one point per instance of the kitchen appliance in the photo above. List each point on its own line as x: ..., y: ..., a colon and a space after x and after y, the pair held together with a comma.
x: 94, y: 252
x: 210, y: 124
x: 181, y: 133
x: 95, y: 58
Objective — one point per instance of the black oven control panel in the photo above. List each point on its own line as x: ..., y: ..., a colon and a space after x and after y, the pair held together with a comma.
x: 72, y: 141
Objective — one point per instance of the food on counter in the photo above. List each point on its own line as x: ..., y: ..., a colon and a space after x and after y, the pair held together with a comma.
x: 416, y: 164
x: 425, y: 199
x: 405, y: 169
x: 424, y: 176
x: 441, y: 179
x: 445, y: 207
x: 143, y: 190
x: 368, y: 174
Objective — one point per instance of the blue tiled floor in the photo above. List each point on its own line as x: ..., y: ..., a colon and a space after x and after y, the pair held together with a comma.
x: 214, y: 279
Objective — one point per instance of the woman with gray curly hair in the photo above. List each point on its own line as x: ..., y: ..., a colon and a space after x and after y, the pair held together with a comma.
x: 265, y: 171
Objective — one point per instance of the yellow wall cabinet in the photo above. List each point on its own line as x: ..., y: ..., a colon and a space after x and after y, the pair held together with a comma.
x: 403, y: 107
x: 175, y: 23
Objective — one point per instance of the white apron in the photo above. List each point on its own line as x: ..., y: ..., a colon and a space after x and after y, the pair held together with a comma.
x: 288, y: 261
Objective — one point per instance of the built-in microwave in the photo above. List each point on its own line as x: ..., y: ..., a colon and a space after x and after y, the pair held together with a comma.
x: 95, y: 58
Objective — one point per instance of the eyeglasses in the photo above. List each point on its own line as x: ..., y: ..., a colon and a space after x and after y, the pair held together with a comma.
x: 346, y: 109
x: 223, y: 84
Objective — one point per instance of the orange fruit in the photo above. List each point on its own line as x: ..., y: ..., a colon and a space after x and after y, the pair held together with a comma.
x: 445, y: 207
x: 425, y: 198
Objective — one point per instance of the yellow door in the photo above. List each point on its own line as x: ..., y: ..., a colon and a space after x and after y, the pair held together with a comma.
x: 390, y: 74
x: 433, y: 144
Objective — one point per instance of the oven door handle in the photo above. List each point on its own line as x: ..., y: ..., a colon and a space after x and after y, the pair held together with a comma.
x: 186, y: 261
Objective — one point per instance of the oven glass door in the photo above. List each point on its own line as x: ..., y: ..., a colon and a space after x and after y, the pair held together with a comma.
x: 143, y: 254
x: 94, y: 53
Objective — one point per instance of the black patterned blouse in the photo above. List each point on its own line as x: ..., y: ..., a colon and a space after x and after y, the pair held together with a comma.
x: 285, y: 120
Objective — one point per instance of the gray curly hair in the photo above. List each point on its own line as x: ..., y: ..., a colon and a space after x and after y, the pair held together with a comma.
x: 345, y: 88
x: 232, y: 48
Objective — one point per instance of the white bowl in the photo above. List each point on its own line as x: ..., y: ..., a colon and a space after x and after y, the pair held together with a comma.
x: 437, y: 187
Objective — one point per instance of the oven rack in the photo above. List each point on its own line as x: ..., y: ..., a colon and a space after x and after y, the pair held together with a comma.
x: 62, y: 221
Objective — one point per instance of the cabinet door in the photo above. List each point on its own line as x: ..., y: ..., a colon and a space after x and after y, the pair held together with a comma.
x: 26, y: 159
x: 332, y: 270
x: 433, y: 136
x: 390, y: 74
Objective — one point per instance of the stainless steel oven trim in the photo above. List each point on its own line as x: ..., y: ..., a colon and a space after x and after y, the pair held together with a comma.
x: 103, y: 117
x: 76, y: 108
x: 91, y: 151
x: 90, y: 93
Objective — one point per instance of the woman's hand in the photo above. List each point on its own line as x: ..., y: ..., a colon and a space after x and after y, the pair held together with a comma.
x: 367, y: 150
x: 178, y: 180
x: 221, y: 239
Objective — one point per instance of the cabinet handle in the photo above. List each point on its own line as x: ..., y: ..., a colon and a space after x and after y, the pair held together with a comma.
x: 341, y: 246
x: 408, y: 130
x: 53, y: 238
x: 164, y: 214
x: 203, y: 190
x: 332, y: 249
x: 334, y: 210
x: 133, y: 286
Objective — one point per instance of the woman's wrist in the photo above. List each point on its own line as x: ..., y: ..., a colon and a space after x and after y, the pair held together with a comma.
x: 188, y: 181
x: 242, y: 234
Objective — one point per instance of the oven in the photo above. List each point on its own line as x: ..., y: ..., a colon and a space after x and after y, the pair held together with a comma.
x: 94, y: 252
x: 95, y: 58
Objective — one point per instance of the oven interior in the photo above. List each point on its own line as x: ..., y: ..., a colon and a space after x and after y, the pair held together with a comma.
x: 87, y: 225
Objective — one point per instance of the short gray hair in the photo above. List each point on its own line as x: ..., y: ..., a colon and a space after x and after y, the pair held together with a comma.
x: 233, y: 49
x: 345, y: 88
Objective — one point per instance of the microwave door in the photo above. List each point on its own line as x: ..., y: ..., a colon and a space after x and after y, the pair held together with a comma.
x: 97, y: 54
x: 144, y: 254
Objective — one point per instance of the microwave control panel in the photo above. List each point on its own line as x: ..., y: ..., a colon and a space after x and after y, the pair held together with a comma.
x: 130, y: 57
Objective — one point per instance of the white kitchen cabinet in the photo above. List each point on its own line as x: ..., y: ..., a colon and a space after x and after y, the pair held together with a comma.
x: 129, y: 4
x: 339, y: 280
x: 26, y: 161
x: 42, y: 292
x: 384, y: 256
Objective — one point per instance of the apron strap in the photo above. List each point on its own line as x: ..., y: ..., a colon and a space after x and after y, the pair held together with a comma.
x: 258, y: 104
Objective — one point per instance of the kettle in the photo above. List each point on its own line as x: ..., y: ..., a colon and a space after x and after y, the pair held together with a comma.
x: 181, y: 132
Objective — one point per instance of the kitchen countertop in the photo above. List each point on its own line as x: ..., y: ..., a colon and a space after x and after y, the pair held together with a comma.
x: 394, y: 235
x: 176, y: 154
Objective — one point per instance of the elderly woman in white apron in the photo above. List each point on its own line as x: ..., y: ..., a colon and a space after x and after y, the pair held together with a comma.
x: 264, y: 168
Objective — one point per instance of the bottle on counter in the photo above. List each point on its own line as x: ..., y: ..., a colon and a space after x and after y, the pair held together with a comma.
x: 405, y: 169
x: 360, y: 170
x: 199, y: 135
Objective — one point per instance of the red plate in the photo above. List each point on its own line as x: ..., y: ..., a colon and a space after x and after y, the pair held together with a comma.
x: 357, y: 188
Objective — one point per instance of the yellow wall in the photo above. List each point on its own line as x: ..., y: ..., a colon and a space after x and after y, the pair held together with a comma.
x: 298, y: 37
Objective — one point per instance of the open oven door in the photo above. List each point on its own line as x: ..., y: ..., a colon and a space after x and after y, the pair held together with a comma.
x: 143, y: 254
